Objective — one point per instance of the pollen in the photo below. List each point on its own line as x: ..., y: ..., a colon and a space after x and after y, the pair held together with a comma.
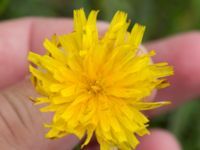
x: 94, y: 88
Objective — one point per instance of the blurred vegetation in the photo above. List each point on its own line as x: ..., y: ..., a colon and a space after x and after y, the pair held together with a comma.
x: 162, y: 18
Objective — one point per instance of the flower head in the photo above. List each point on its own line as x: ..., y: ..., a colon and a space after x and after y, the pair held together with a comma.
x: 97, y: 85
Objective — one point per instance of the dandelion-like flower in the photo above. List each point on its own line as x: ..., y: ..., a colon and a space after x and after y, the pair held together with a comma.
x: 97, y: 85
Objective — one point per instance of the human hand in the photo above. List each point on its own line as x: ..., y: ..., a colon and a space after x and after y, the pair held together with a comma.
x: 21, y: 123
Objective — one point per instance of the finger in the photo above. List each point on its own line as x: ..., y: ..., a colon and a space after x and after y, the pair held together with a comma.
x: 143, y: 50
x: 21, y: 123
x: 20, y: 36
x: 182, y: 52
x: 158, y: 140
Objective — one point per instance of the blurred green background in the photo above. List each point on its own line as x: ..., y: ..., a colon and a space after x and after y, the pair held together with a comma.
x: 162, y: 18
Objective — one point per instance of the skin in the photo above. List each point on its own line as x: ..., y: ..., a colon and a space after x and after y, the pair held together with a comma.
x: 21, y: 122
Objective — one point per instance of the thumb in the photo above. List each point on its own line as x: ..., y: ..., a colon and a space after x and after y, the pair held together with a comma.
x: 21, y: 122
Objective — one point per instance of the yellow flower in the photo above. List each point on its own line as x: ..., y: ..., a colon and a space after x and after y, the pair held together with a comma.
x: 97, y: 85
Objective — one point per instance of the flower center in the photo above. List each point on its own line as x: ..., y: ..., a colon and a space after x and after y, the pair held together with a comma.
x: 94, y: 87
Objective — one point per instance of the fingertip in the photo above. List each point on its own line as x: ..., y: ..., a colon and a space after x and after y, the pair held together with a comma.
x: 182, y: 53
x: 14, y: 43
x: 45, y: 27
x: 159, y: 140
